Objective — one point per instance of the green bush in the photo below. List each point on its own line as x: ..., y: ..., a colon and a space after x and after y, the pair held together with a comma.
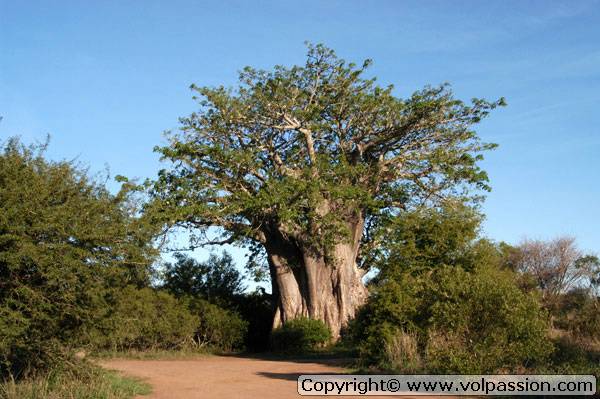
x: 392, y: 306
x: 485, y: 323
x: 572, y: 356
x: 578, y: 312
x: 300, y: 335
x: 218, y: 328
x: 464, y: 322
x: 141, y: 319
x: 64, y: 242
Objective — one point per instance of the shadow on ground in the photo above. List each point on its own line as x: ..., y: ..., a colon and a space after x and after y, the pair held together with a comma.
x: 344, y: 360
x: 288, y: 376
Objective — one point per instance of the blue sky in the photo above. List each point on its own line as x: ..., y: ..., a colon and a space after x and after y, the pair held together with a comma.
x: 106, y: 78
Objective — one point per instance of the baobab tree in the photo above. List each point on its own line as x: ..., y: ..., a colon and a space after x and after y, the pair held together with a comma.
x: 306, y: 164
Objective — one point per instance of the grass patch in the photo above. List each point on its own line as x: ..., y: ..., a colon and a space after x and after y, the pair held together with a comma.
x: 86, y: 382
x: 157, y: 354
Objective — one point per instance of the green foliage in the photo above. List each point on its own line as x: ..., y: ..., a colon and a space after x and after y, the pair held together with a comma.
x: 218, y: 328
x: 153, y: 320
x: 300, y: 335
x: 448, y: 300
x: 216, y: 280
x: 143, y: 319
x: 303, y: 150
x: 63, y: 240
x: 481, y: 322
x: 230, y: 318
x: 573, y: 356
x: 392, y: 307
x: 82, y: 382
x: 74, y: 261
x: 579, y: 314
x: 466, y: 322
x: 442, y: 287
x: 430, y: 237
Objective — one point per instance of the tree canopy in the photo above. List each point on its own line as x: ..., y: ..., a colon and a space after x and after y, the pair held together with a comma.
x: 302, y: 149
x: 216, y: 279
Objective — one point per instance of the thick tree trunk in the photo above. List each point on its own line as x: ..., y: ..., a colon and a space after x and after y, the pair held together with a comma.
x: 310, y: 285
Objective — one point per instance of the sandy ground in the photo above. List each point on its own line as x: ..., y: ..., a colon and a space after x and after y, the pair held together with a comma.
x: 219, y: 377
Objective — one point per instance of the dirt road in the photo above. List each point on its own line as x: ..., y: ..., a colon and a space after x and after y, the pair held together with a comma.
x: 218, y: 377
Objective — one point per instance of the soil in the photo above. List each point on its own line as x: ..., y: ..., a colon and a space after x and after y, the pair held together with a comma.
x: 223, y: 377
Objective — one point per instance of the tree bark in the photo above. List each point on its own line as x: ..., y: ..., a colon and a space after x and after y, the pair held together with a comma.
x: 308, y: 284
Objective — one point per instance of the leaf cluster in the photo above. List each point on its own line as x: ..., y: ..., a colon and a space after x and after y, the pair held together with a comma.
x: 309, y: 150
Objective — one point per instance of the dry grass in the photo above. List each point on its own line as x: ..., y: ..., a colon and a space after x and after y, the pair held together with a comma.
x: 402, y: 352
x: 181, y: 354
x: 87, y: 383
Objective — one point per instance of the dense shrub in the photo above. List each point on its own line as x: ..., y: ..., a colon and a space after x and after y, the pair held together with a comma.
x: 149, y: 319
x: 64, y: 240
x: 218, y: 328
x: 446, y: 300
x: 578, y: 312
x: 464, y: 322
x: 141, y: 319
x: 300, y: 335
x: 572, y: 356
x: 392, y: 307
x: 229, y: 318
x: 498, y: 325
